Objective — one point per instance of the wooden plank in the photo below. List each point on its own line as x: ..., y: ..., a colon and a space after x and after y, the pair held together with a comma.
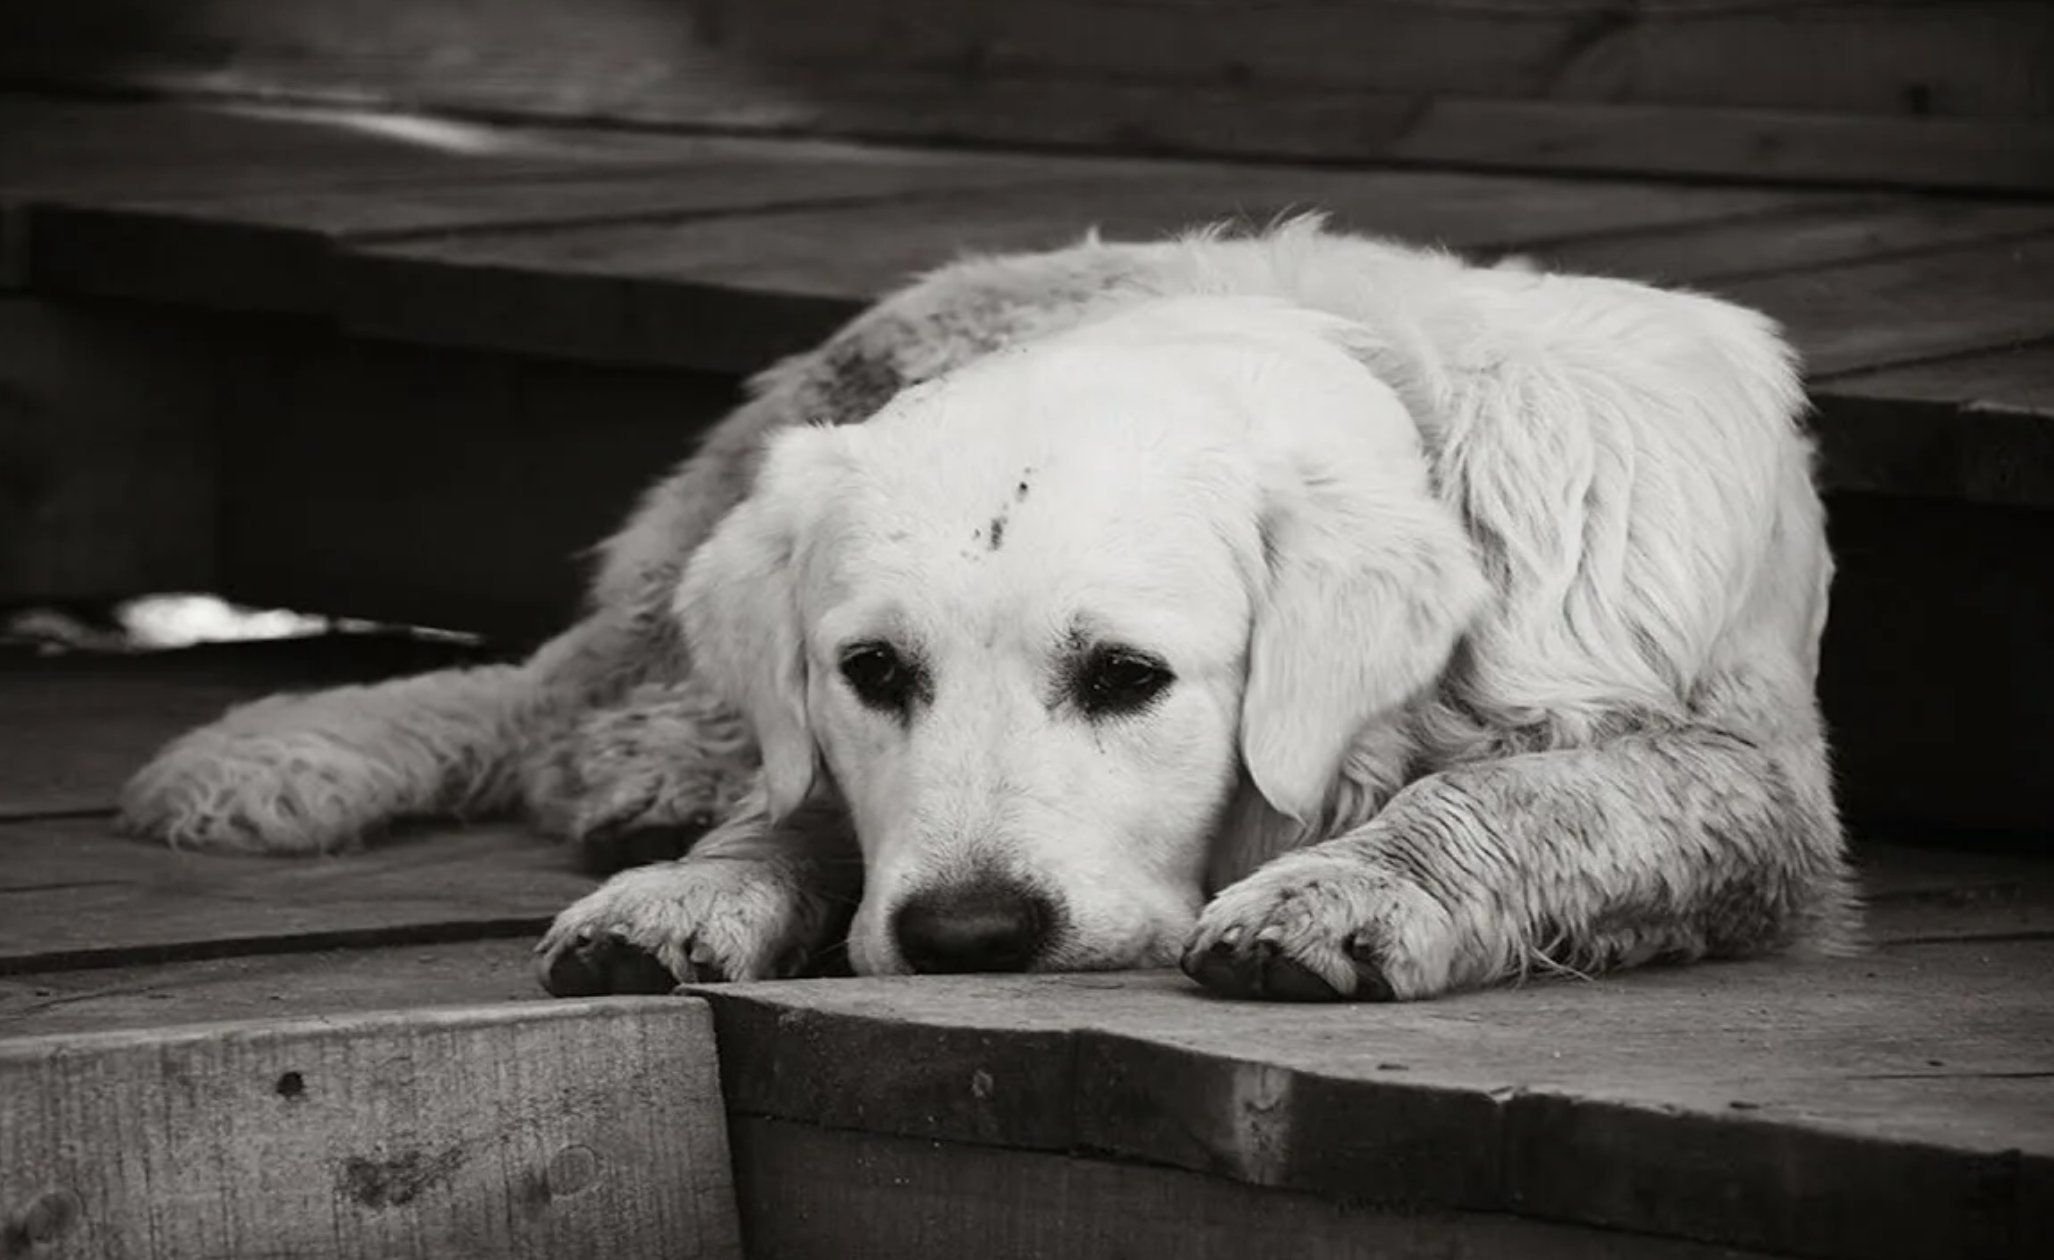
x: 272, y: 249
x: 1861, y: 230
x: 577, y: 1129
x: 1818, y: 1090
x: 59, y: 149
x: 78, y: 725
x: 1919, y: 895
x: 73, y: 894
x: 812, y: 1192
x: 1868, y: 315
x: 1897, y: 93
x: 2018, y: 380
x: 326, y: 982
x: 730, y: 294
x: 1906, y: 430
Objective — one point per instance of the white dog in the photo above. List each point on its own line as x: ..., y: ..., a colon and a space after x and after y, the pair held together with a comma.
x: 1335, y: 617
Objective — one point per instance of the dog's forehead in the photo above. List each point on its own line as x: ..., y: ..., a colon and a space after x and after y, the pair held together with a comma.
x: 1073, y: 492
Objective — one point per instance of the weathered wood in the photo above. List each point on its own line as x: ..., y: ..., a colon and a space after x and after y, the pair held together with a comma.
x: 326, y: 983
x: 88, y: 150
x: 1899, y: 431
x: 273, y: 249
x: 1868, y: 315
x: 675, y: 293
x: 73, y: 894
x: 77, y: 726
x: 1817, y: 1090
x: 577, y: 1129
x: 1800, y: 237
x: 1897, y: 93
x: 2018, y: 380
x: 812, y: 1192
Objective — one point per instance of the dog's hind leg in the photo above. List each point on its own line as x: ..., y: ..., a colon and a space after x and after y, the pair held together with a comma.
x: 640, y: 780
x: 318, y: 772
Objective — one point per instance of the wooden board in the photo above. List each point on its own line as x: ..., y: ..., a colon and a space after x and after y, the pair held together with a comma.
x: 675, y: 293
x: 78, y: 725
x: 73, y: 894
x: 321, y: 982
x: 1778, y: 1104
x: 808, y: 1192
x: 574, y: 1129
x: 273, y: 249
x: 1793, y: 239
x: 1900, y: 431
x: 1898, y: 93
x: 1868, y: 315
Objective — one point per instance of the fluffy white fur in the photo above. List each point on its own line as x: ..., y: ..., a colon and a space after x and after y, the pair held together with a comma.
x: 1493, y: 601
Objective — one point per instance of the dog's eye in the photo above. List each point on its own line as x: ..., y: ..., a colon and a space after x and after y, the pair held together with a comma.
x: 879, y: 676
x: 1119, y: 680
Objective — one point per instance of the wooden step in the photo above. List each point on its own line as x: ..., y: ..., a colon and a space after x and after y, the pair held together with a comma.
x: 1903, y: 94
x: 559, y: 1130
x: 1894, y: 1105
x: 717, y: 256
x: 1778, y: 1107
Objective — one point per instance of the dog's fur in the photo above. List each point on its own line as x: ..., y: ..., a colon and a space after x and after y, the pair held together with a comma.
x: 1492, y: 600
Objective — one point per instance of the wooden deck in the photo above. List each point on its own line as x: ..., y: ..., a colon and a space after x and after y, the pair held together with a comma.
x: 1920, y: 317
x: 223, y: 323
x: 1899, y: 1103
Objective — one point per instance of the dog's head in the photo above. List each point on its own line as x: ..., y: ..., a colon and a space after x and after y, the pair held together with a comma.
x: 1038, y: 619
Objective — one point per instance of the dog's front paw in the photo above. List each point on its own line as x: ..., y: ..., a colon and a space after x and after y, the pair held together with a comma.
x: 641, y: 782
x: 1323, y: 927
x: 692, y: 921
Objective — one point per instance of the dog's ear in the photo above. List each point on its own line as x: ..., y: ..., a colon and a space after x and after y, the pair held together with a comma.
x: 739, y: 603
x: 1366, y: 582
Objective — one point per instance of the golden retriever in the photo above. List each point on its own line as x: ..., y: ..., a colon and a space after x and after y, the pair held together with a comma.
x: 1332, y: 617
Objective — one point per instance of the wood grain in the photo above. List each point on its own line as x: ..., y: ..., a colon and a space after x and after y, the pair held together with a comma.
x: 1869, y: 315
x: 74, y: 894
x: 690, y: 294
x: 1817, y: 1090
x: 574, y: 1129
x: 1906, y: 93
x: 78, y: 725
x: 325, y: 982
x: 810, y: 1192
x: 1836, y: 231
x: 273, y: 249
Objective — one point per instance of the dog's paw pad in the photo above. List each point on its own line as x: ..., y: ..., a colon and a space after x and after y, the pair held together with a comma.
x: 1259, y: 968
x: 1322, y: 930
x: 592, y: 966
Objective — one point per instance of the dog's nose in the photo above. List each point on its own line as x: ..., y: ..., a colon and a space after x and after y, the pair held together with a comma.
x: 981, y: 926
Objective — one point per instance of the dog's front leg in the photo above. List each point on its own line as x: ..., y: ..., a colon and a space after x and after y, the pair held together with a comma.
x: 753, y: 900
x: 1655, y: 846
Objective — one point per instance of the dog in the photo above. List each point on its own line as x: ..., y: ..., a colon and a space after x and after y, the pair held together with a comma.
x: 1331, y: 617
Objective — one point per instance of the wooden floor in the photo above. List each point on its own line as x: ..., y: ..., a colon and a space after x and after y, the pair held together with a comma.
x: 1898, y: 1103
x: 1926, y: 322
